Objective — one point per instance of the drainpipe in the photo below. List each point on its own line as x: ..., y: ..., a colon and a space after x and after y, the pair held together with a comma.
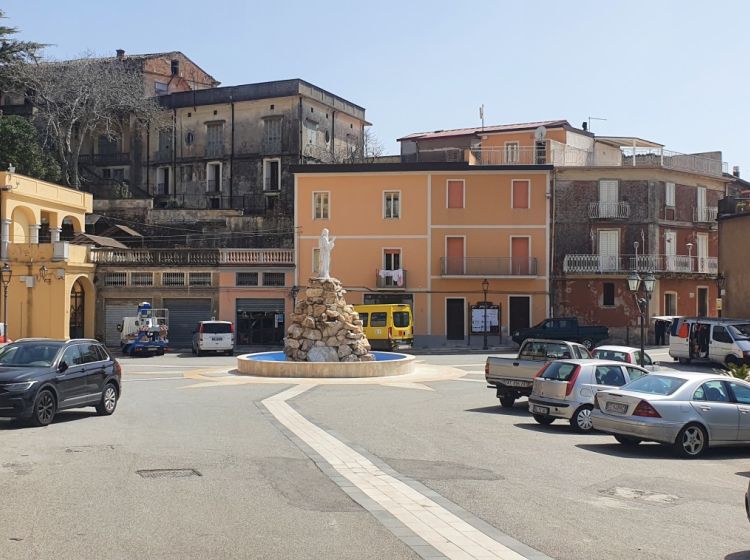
x: 333, y: 136
x: 552, y: 276
x: 148, y: 158
x: 299, y: 146
x: 231, y: 155
x: 174, y: 149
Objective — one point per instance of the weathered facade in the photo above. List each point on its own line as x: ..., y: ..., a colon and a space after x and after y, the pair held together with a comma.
x: 734, y: 232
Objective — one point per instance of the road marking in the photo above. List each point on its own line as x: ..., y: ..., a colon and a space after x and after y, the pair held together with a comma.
x: 445, y: 531
x: 474, y: 380
x: 154, y: 379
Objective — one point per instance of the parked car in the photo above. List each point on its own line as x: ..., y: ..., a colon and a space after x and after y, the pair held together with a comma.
x: 688, y: 412
x: 39, y: 377
x: 566, y: 389
x: 214, y: 336
x: 624, y: 354
x: 722, y: 341
x: 747, y: 502
x: 564, y: 328
x: 512, y: 378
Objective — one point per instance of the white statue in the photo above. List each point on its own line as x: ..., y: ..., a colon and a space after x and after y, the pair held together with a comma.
x: 325, y: 246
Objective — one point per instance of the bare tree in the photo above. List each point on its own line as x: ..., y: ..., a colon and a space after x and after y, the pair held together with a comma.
x: 73, y: 100
x: 367, y: 150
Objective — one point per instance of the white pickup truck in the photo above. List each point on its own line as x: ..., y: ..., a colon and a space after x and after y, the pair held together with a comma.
x: 514, y: 377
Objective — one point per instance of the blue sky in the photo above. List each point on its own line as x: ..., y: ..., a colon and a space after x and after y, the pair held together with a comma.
x: 675, y: 72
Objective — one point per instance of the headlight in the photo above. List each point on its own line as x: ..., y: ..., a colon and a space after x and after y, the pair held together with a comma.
x: 18, y: 387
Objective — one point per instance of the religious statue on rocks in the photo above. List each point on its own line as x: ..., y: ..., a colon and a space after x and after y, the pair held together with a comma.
x: 325, y: 245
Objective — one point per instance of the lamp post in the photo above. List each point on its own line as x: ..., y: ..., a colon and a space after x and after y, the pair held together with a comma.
x: 721, y: 281
x: 5, y: 275
x: 634, y: 283
x: 485, y: 287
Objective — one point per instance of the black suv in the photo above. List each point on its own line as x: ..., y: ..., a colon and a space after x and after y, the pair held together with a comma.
x: 40, y: 376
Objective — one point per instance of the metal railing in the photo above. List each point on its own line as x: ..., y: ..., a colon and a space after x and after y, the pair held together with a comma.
x: 603, y: 210
x: 115, y: 158
x: 249, y: 203
x: 256, y: 256
x: 204, y: 257
x: 387, y: 279
x: 510, y: 155
x: 705, y: 214
x: 488, y: 266
x: 215, y: 149
x: 618, y: 264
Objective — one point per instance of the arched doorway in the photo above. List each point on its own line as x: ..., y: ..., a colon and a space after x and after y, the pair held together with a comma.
x: 77, y: 308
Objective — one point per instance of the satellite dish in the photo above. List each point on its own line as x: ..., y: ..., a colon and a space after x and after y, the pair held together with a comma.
x: 540, y: 133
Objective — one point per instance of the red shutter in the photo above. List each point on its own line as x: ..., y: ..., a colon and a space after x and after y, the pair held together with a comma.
x: 455, y: 194
x: 520, y: 194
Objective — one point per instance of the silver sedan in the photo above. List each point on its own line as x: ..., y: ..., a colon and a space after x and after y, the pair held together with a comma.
x: 688, y: 412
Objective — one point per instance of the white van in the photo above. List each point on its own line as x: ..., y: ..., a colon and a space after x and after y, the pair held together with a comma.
x: 214, y: 336
x: 724, y: 341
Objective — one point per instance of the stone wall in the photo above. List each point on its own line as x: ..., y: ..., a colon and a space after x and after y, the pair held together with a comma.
x: 324, y: 328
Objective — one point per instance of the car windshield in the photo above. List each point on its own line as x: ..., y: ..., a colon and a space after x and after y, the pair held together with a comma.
x: 655, y: 385
x: 29, y: 355
x: 611, y: 355
x: 217, y: 328
x: 559, y: 371
x: 740, y: 332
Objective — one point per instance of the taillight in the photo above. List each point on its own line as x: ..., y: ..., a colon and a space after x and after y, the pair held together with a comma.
x: 390, y: 332
x: 572, y: 381
x: 118, y: 367
x: 200, y: 329
x: 541, y: 371
x: 486, y: 367
x: 231, y: 328
x: 645, y: 409
x: 628, y: 358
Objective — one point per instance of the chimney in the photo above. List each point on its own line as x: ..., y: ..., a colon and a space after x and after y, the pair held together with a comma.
x: 120, y: 54
x: 736, y: 171
x: 584, y: 125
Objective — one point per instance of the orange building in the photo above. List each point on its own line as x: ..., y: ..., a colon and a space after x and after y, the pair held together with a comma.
x: 429, y: 234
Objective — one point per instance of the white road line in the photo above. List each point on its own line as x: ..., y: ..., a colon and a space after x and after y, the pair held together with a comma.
x: 445, y: 531
x: 154, y: 379
x: 474, y: 380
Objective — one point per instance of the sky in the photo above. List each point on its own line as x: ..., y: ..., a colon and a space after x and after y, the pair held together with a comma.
x: 675, y: 72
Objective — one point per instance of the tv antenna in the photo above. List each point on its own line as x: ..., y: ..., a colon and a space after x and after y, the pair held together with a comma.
x: 594, y: 119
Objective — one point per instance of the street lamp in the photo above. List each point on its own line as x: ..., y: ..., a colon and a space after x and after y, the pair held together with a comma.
x: 485, y: 287
x: 721, y: 281
x: 5, y: 275
x: 634, y: 283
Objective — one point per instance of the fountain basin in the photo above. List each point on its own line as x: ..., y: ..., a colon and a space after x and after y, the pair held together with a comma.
x: 275, y: 364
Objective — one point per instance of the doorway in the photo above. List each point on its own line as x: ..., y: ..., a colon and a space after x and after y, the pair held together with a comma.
x: 454, y: 318
x: 702, y: 302
x: 76, y: 310
x: 519, y: 311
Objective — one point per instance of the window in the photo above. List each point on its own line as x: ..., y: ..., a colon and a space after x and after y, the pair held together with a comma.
x: 165, y: 142
x: 634, y: 373
x: 172, y: 279
x: 741, y: 392
x: 199, y: 279
x: 160, y: 88
x: 321, y: 206
x: 271, y: 174
x: 721, y: 335
x: 400, y: 319
x: 162, y: 180
x: 141, y: 279
x: 272, y: 135
x: 378, y: 319
x: 107, y: 145
x: 392, y: 204
x: 609, y: 375
x: 670, y: 304
x: 521, y: 194
x: 115, y: 278
x: 274, y: 279
x: 559, y: 371
x: 114, y: 173
x: 246, y: 279
x: 215, y: 139
x: 316, y: 261
x: 455, y: 194
x: 646, y: 358
x: 213, y: 177
x: 511, y: 152
x: 656, y: 384
x: 89, y: 353
x: 608, y: 294
x: 711, y: 391
x: 669, y: 194
x: 187, y: 173
x: 72, y: 356
x: 363, y: 316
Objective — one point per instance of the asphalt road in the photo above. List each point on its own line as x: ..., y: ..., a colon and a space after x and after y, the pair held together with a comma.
x: 89, y: 487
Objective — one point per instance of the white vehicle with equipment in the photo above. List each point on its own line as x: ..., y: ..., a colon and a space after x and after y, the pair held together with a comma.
x: 146, y: 333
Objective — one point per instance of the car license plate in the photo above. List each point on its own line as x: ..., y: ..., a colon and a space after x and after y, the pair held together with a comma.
x: 511, y: 383
x: 540, y: 409
x: 619, y: 408
x: 216, y: 338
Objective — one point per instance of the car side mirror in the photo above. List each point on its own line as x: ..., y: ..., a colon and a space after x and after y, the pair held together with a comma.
x: 62, y: 367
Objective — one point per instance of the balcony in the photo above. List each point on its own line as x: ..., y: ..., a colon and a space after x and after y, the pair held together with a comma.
x: 115, y: 158
x: 623, y: 264
x: 195, y: 257
x: 705, y: 214
x: 609, y: 210
x: 488, y: 266
x: 390, y: 279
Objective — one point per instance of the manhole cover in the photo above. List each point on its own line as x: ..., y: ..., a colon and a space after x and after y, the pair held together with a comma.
x: 168, y: 473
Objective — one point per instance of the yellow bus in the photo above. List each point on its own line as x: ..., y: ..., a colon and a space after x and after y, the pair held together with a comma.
x: 387, y: 326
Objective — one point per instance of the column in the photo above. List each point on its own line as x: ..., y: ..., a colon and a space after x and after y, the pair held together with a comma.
x: 34, y: 233
x: 6, y: 240
x: 55, y: 233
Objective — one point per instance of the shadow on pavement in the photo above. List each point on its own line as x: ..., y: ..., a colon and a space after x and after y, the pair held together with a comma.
x: 517, y: 410
x: 558, y: 426
x: 659, y: 451
x: 60, y: 417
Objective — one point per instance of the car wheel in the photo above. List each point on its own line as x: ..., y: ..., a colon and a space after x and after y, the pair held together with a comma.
x: 684, y: 361
x: 588, y: 343
x: 581, y: 420
x: 691, y: 442
x: 628, y: 440
x: 44, y: 408
x: 731, y: 360
x: 109, y: 400
x: 506, y: 401
x: 543, y: 420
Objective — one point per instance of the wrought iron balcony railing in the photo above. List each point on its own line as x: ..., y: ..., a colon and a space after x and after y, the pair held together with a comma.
x: 202, y: 257
x: 605, y: 210
x: 488, y: 266
x: 705, y: 214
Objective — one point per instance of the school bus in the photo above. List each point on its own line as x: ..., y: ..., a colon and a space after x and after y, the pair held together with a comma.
x: 387, y: 326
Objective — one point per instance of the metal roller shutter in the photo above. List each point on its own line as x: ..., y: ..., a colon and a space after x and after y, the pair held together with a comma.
x: 184, y: 315
x: 257, y: 304
x: 114, y: 311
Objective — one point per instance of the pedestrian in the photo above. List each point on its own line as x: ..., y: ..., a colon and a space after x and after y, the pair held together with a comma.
x: 659, y: 330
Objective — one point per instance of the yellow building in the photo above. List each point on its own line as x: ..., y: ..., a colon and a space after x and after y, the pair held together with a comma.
x: 51, y: 290
x: 434, y: 236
